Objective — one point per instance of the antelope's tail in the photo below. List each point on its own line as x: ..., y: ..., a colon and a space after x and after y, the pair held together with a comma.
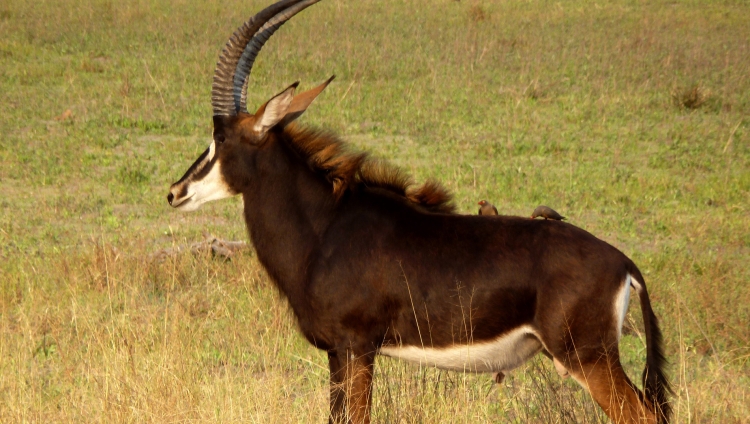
x: 656, y: 387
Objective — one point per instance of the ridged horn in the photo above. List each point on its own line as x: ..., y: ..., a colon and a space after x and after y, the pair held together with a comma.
x: 229, y: 90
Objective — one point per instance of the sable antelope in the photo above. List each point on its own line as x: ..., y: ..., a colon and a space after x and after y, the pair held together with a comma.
x: 546, y: 212
x: 373, y: 264
x: 486, y: 208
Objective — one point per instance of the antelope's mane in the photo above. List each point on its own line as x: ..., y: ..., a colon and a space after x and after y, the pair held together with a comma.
x: 348, y: 170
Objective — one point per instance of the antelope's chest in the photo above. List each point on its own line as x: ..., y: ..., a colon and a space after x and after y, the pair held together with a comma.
x: 503, y: 353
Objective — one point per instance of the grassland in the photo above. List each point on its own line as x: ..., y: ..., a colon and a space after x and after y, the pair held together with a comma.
x: 630, y: 117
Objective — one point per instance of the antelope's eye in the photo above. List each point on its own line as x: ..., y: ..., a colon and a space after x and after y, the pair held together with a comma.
x: 219, y: 138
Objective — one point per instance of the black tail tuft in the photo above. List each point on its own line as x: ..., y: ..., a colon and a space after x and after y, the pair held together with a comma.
x: 655, y: 384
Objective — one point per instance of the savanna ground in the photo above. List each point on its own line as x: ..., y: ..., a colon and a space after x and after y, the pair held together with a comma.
x: 630, y: 117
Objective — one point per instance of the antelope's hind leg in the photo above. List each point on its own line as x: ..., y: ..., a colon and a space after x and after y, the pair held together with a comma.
x: 611, y: 388
x: 351, y: 386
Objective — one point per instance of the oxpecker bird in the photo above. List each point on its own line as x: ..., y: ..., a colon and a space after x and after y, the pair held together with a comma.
x: 547, y: 213
x: 487, y: 208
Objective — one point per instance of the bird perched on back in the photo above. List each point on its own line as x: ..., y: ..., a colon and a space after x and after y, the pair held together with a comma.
x: 487, y: 208
x: 547, y: 213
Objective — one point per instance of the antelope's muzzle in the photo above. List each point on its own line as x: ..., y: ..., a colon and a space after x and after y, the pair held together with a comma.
x: 203, y: 182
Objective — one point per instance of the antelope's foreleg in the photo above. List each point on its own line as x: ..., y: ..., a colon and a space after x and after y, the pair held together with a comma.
x: 338, y: 395
x: 351, y: 386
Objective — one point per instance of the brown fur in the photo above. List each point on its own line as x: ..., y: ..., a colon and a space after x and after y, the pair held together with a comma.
x: 614, y: 392
x: 347, y: 170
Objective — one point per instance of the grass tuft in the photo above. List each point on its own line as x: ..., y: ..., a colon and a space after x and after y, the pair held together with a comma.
x: 691, y: 98
x: 477, y: 13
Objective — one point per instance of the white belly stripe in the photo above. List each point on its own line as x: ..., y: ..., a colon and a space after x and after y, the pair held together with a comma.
x: 501, y: 354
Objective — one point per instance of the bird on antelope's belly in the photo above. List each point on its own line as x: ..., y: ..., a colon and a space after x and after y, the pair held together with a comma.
x: 547, y: 213
x: 486, y: 208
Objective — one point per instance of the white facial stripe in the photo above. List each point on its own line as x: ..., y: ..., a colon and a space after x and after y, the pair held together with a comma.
x: 199, y: 166
x: 211, y: 152
x: 622, y: 300
x: 502, y: 354
x: 209, y: 157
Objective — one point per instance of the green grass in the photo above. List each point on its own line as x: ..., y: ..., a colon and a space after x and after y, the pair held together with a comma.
x: 583, y: 106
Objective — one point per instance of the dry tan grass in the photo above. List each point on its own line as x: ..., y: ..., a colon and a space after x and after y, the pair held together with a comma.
x: 111, y: 337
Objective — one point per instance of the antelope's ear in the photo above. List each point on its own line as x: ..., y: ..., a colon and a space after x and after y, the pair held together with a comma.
x: 274, y: 110
x: 302, y: 101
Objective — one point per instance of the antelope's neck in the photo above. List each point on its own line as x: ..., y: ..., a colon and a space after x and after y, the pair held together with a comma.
x: 287, y: 212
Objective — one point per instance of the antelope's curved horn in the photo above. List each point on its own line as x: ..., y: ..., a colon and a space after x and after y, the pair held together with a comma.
x: 229, y: 90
